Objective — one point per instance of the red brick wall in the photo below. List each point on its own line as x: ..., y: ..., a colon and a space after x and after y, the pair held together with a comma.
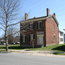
x: 47, y: 27
x: 28, y: 32
x: 50, y: 33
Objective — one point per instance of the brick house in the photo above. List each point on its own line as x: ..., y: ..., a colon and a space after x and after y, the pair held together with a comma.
x: 43, y: 29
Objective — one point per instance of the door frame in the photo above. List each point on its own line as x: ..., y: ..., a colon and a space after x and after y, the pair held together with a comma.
x: 41, y: 33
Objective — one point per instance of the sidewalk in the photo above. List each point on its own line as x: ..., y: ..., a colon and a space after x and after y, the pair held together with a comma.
x: 37, y: 53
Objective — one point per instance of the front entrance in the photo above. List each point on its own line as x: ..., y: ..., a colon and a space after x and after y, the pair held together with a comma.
x: 40, y: 40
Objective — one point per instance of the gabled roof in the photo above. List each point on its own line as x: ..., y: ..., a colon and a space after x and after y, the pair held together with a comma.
x: 40, y: 18
x: 55, y: 19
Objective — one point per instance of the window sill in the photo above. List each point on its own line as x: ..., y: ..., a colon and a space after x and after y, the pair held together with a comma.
x: 23, y: 30
x: 40, y: 29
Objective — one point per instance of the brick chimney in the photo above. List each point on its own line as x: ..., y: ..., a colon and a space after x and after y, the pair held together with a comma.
x: 48, y: 12
x: 26, y: 16
x: 54, y: 14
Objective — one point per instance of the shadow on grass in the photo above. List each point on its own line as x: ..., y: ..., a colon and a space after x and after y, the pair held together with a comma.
x: 18, y: 47
x: 60, y: 48
x: 2, y: 47
x: 14, y: 47
x: 59, y: 53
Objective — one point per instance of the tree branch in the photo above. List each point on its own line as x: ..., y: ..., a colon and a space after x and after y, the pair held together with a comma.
x: 2, y: 25
x: 2, y: 28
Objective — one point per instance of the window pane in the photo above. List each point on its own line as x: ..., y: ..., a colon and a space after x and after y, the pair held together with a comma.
x: 23, y: 38
x: 37, y: 25
x: 61, y: 34
x: 31, y: 26
x: 40, y: 24
x: 61, y: 39
x: 24, y: 26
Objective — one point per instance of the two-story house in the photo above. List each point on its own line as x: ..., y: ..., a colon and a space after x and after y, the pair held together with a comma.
x: 43, y: 29
x: 61, y: 37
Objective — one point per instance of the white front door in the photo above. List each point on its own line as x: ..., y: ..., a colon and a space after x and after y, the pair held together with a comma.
x: 40, y: 40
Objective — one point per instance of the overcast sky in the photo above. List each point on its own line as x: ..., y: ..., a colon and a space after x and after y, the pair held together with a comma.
x: 37, y: 8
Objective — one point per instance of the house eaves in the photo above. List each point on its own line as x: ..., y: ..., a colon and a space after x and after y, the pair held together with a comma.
x: 31, y: 20
x: 40, y: 18
x: 55, y: 19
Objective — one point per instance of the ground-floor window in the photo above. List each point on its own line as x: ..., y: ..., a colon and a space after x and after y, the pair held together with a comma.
x: 61, y: 39
x: 31, y: 37
x: 24, y: 38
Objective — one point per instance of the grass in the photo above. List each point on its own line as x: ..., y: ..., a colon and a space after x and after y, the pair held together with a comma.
x: 14, y: 47
x: 2, y: 50
x: 55, y: 47
x: 58, y: 53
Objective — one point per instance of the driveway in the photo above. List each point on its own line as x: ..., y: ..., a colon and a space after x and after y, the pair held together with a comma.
x: 24, y: 59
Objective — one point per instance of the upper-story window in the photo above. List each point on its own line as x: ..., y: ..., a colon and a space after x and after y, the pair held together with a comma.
x: 39, y: 25
x: 24, y: 26
x: 53, y: 27
x: 61, y: 34
x: 31, y: 26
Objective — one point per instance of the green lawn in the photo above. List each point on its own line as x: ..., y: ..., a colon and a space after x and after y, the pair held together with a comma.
x: 58, y: 53
x: 14, y: 47
x: 55, y: 47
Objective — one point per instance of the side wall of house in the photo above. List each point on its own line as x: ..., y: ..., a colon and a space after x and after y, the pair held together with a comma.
x: 50, y: 33
x: 28, y: 32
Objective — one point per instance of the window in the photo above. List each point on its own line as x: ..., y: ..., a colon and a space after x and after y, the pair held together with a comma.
x: 54, y: 28
x: 24, y: 26
x: 61, y: 34
x: 24, y: 38
x: 31, y: 26
x: 31, y: 37
x: 61, y: 39
x: 54, y: 38
x: 39, y: 25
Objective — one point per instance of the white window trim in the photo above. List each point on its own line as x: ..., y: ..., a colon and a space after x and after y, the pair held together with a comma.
x: 30, y: 37
x: 31, y: 26
x: 24, y: 25
x: 39, y: 25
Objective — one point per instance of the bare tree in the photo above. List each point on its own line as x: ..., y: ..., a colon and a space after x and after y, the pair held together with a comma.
x: 9, y: 11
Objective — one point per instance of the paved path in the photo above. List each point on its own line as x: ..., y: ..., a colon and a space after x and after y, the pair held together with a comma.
x: 37, y: 53
x: 24, y: 59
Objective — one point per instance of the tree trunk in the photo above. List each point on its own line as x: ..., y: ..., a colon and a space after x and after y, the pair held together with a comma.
x: 6, y: 39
